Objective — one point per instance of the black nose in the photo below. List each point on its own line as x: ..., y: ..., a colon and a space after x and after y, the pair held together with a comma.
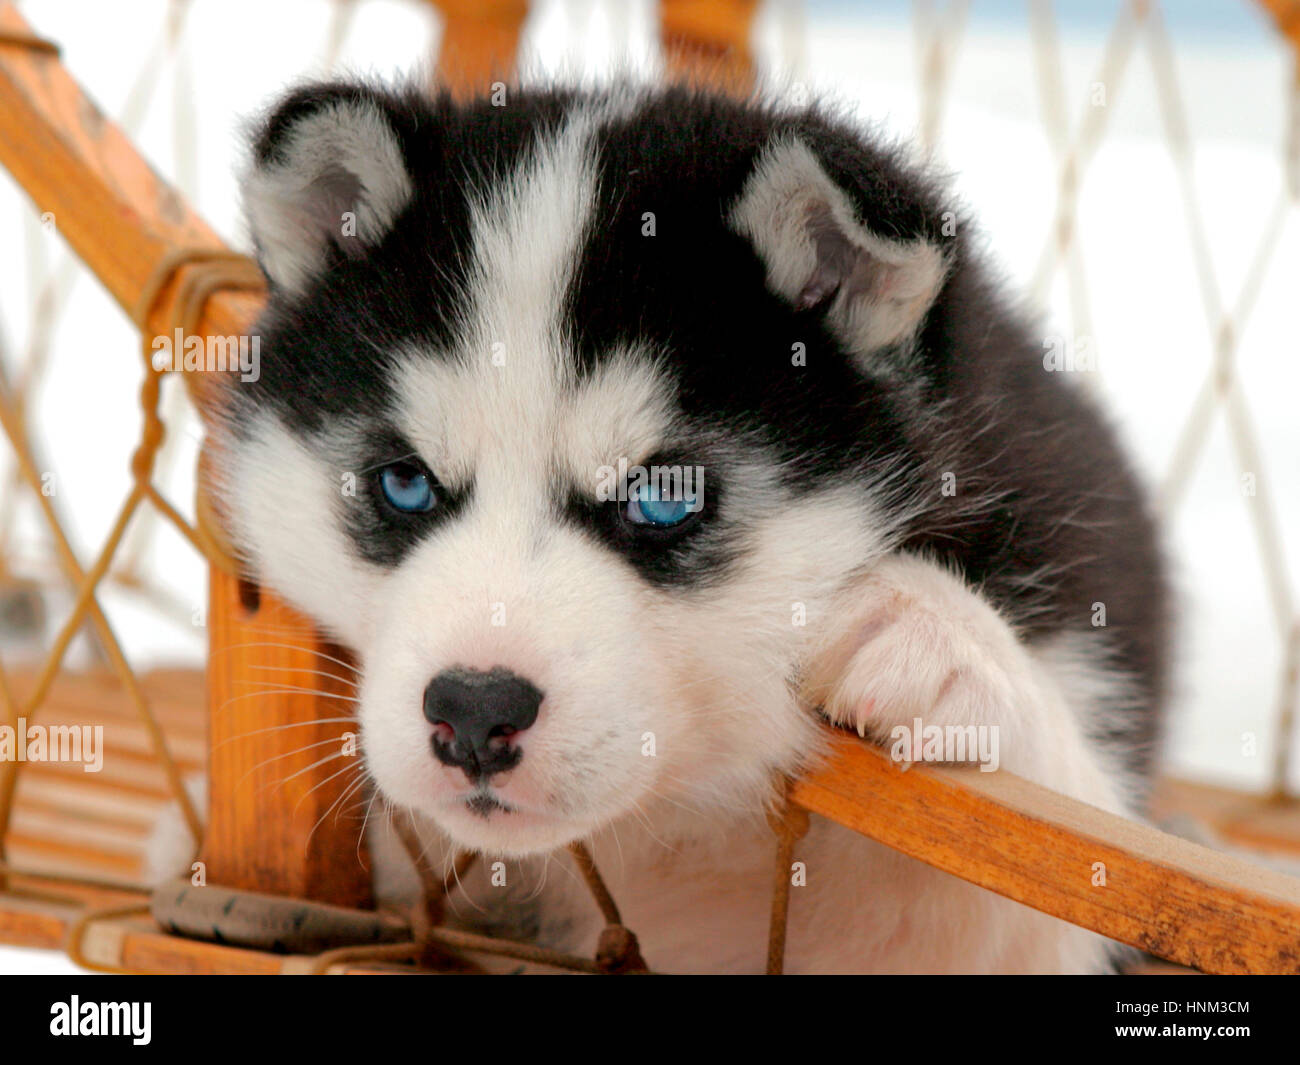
x: 482, y: 710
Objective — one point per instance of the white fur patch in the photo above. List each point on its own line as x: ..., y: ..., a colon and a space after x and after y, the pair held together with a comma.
x: 282, y: 500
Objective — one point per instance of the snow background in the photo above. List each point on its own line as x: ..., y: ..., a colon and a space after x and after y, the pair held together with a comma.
x: 1149, y: 325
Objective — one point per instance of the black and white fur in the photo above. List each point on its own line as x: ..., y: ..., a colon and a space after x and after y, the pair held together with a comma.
x: 501, y: 311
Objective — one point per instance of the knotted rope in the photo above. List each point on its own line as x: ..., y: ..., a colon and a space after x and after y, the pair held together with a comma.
x: 790, y: 824
x: 617, y: 950
x: 205, y: 271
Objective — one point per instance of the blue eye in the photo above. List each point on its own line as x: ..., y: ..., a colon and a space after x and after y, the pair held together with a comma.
x: 407, y: 488
x: 644, y: 507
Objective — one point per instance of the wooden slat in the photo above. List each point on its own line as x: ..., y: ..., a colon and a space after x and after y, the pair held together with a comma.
x: 72, y: 822
x: 280, y: 827
x: 100, y: 691
x: 710, y: 43
x: 1174, y: 899
x: 29, y: 923
x: 143, y: 948
x: 176, y: 686
x: 479, y: 43
x: 139, y: 777
x: 1258, y: 822
x: 58, y: 858
x: 138, y: 945
x: 124, y: 739
x: 87, y: 799
x: 120, y: 839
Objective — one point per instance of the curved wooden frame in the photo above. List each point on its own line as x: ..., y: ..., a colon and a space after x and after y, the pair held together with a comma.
x: 1172, y: 898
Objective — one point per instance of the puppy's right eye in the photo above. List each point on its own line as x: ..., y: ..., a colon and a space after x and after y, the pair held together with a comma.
x: 407, y: 488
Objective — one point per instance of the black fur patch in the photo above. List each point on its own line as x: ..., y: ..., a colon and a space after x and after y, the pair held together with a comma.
x: 696, y: 555
x: 382, y: 534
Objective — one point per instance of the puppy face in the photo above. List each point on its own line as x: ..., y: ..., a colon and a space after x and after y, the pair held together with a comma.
x: 573, y: 416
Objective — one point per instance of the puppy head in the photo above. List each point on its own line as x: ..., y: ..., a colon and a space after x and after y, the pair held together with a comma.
x: 573, y: 416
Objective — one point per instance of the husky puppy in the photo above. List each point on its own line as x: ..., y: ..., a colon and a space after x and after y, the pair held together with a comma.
x: 628, y: 437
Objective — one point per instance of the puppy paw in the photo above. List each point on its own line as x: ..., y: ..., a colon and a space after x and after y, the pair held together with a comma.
x: 921, y: 649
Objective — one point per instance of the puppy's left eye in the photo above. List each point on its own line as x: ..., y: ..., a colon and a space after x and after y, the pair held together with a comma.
x: 407, y: 488
x: 648, y: 505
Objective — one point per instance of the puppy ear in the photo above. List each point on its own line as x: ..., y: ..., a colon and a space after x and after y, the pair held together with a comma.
x: 328, y: 178
x: 876, y: 290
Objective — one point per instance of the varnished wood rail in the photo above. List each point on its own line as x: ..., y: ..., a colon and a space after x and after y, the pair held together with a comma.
x: 1175, y: 899
x: 1172, y: 898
